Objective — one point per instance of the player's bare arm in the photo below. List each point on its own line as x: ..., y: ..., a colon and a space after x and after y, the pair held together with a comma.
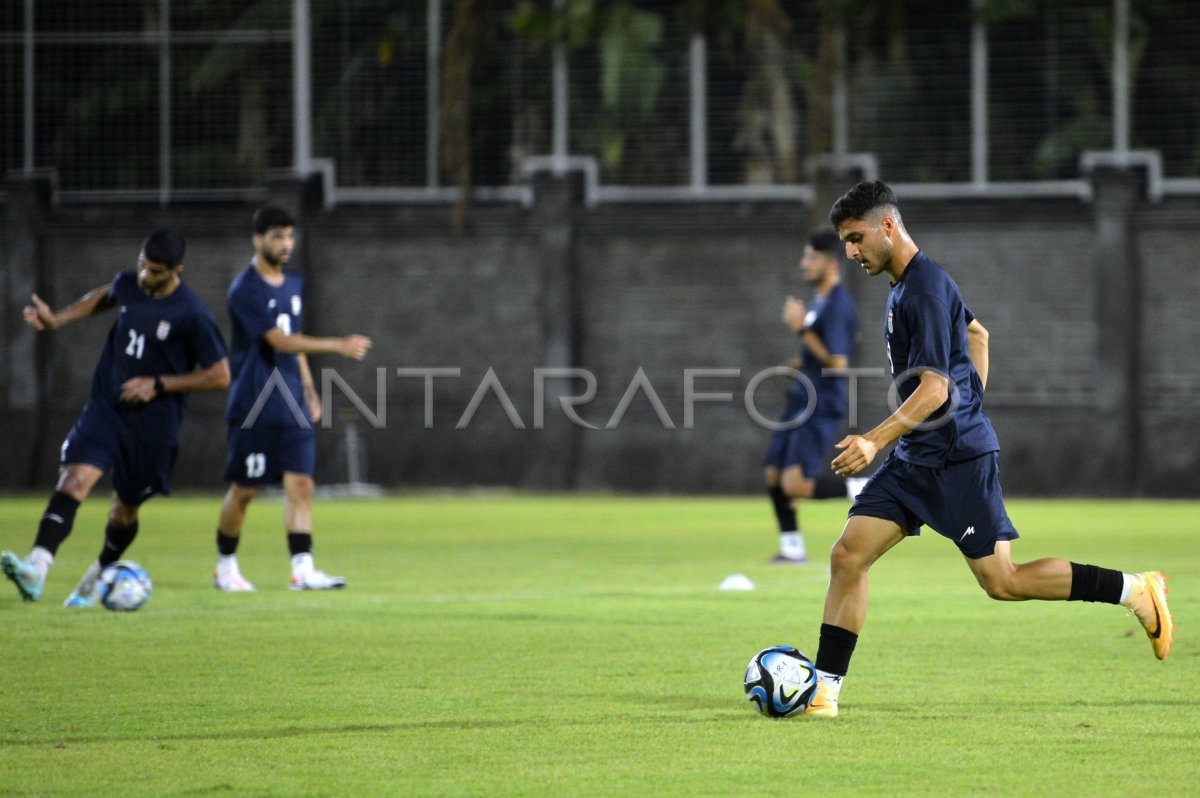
x: 794, y: 312
x: 859, y: 450
x: 39, y: 316
x: 143, y: 389
x: 354, y: 347
x: 310, y: 391
x: 977, y: 347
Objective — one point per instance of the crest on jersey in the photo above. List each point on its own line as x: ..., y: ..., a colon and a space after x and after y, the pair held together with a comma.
x: 164, y: 329
x: 271, y: 304
x: 891, y: 329
x: 295, y: 305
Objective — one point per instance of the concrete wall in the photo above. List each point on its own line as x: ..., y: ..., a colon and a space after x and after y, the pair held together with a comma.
x: 1090, y: 306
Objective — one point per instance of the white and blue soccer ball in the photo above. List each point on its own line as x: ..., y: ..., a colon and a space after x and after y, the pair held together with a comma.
x: 780, y: 681
x: 124, y: 586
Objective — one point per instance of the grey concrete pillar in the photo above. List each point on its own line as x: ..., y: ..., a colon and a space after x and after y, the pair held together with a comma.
x: 30, y: 202
x: 1118, y: 192
x: 558, y: 200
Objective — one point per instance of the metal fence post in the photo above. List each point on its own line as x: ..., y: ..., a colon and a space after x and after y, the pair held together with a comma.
x: 979, y: 97
x: 433, y: 97
x: 698, y: 75
x: 164, y: 102
x: 301, y: 86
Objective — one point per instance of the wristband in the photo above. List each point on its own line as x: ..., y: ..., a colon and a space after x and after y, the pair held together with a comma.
x: 158, y: 386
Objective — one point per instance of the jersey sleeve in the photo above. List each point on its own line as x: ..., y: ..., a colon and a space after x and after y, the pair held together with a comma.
x: 839, y: 333
x: 968, y: 314
x: 928, y: 322
x: 206, y: 344
x: 118, y: 284
x: 251, y: 315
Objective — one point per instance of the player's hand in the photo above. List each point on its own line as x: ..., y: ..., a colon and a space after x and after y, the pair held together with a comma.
x: 138, y: 389
x: 794, y: 363
x: 314, y: 405
x: 857, y: 454
x: 794, y: 312
x: 39, y: 316
x: 355, y: 346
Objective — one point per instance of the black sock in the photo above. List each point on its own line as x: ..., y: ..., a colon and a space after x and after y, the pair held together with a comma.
x: 1093, y: 583
x: 299, y: 542
x: 56, y: 522
x: 834, y: 649
x: 116, y: 541
x: 784, y: 511
x: 226, y: 544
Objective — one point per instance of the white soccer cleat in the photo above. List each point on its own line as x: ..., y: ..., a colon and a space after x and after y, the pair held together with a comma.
x: 317, y: 580
x: 231, y: 581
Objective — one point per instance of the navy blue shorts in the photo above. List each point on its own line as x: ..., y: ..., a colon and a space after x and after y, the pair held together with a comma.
x: 140, y: 467
x: 260, y: 455
x: 806, y: 445
x: 961, y: 501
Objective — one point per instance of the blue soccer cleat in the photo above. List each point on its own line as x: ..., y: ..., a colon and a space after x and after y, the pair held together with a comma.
x: 22, y: 574
x: 87, y: 592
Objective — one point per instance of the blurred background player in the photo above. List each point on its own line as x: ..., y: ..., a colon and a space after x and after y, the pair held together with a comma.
x: 273, y: 404
x: 794, y: 466
x: 945, y: 469
x: 164, y: 344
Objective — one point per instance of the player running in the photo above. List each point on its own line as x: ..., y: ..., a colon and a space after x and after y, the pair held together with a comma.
x: 793, y: 467
x: 944, y: 471
x: 273, y: 404
x: 164, y: 344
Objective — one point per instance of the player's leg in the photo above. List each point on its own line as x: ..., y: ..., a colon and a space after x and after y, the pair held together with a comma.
x: 75, y: 482
x: 228, y: 575
x: 250, y: 461
x: 297, y: 520
x: 1052, y: 579
x: 863, y: 541
x: 781, y: 505
x: 119, y: 534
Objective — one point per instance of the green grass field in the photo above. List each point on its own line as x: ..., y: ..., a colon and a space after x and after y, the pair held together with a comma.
x: 491, y: 644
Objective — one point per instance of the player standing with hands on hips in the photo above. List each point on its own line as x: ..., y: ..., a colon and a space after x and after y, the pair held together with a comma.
x: 164, y: 344
x: 944, y: 471
x: 273, y: 404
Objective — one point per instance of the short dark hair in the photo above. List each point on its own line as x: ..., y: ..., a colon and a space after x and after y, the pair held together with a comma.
x: 269, y: 216
x: 164, y: 245
x: 827, y: 242
x: 858, y: 202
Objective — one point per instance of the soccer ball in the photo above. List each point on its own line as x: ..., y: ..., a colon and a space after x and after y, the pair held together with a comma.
x: 780, y: 681
x: 124, y: 586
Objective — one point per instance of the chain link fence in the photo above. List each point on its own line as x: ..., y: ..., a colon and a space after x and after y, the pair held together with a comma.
x: 184, y: 98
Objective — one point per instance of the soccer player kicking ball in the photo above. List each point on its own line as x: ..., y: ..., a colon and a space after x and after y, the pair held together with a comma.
x: 944, y: 470
x: 163, y: 344
x: 272, y: 404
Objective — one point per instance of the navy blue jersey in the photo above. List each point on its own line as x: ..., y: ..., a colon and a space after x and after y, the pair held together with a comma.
x: 173, y: 334
x: 256, y: 307
x: 835, y: 321
x: 926, y: 329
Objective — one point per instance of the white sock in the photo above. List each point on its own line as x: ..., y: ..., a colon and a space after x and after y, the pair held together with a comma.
x: 302, y: 564
x: 41, y: 559
x: 833, y: 681
x: 1126, y: 587
x: 227, y: 563
x: 791, y: 544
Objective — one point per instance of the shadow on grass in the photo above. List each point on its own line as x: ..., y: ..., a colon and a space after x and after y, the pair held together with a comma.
x: 354, y: 728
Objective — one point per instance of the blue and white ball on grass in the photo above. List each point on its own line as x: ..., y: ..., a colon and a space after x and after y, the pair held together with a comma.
x: 780, y: 681
x: 124, y: 586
